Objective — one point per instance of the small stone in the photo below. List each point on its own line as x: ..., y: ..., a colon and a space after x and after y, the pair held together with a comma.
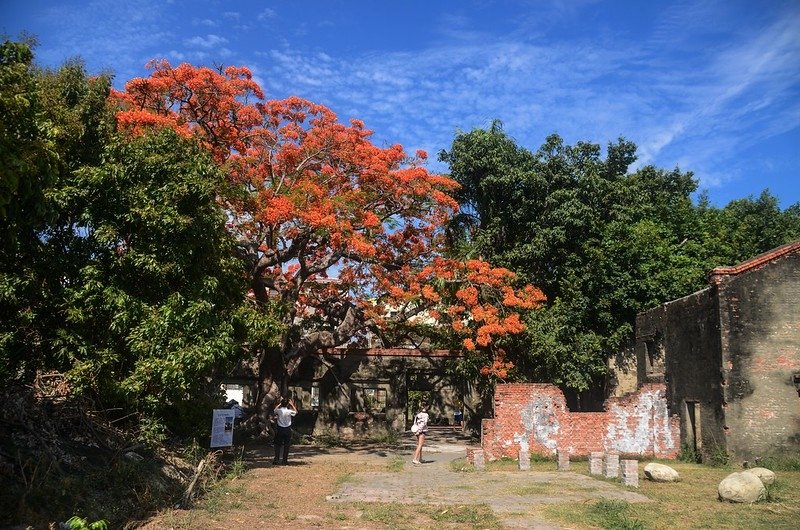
x: 741, y: 487
x: 136, y: 457
x: 767, y: 477
x: 660, y: 473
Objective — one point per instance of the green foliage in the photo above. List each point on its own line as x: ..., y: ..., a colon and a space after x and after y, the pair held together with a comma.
x: 602, y: 241
x: 155, y: 272
x: 78, y: 523
x: 689, y: 454
x: 717, y: 457
x: 116, y: 268
x: 238, y: 467
x: 27, y: 167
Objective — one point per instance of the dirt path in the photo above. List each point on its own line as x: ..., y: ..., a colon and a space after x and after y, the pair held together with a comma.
x: 327, y: 488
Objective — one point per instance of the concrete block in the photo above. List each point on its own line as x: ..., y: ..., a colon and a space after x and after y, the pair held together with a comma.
x: 596, y: 463
x: 611, y: 465
x: 524, y: 460
x: 479, y: 460
x: 563, y: 459
x: 630, y: 473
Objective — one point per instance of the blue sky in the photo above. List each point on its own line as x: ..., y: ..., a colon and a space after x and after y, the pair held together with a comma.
x: 711, y: 86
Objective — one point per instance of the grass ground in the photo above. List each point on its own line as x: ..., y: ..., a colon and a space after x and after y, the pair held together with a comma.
x: 296, y: 496
x: 690, y: 503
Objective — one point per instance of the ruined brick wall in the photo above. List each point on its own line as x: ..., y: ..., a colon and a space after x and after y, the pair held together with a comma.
x: 340, y: 382
x: 760, y: 334
x: 535, y: 417
x: 685, y: 336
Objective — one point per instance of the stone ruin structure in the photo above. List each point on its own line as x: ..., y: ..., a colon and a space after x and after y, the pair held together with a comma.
x: 729, y: 356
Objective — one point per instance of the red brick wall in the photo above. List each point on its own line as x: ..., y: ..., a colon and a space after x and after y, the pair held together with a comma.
x: 535, y: 417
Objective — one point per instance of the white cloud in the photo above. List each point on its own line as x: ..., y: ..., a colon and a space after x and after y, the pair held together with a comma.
x: 265, y: 15
x: 207, y: 42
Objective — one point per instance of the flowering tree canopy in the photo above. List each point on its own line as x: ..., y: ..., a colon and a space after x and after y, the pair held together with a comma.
x: 344, y: 235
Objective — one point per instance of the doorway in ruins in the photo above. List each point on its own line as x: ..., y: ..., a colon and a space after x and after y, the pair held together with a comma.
x: 443, y: 398
x: 694, y: 438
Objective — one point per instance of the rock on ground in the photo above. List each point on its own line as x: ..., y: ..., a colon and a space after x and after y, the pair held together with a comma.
x: 766, y: 476
x: 660, y: 473
x: 741, y: 487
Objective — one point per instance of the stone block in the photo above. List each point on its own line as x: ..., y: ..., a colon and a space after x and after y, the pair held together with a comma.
x: 611, y: 465
x: 524, y: 460
x: 563, y: 459
x: 479, y: 460
x: 596, y: 463
x: 630, y: 473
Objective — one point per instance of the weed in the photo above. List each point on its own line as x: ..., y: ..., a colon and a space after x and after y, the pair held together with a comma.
x: 478, y: 516
x: 78, y: 523
x: 238, y: 468
x: 193, y: 452
x: 151, y: 432
x: 396, y: 464
x: 779, y: 462
x: 718, y: 457
x: 689, y: 454
x: 392, y: 515
x: 328, y: 439
x: 612, y: 515
x: 460, y: 465
x: 344, y: 478
x: 537, y: 458
x: 389, y: 438
x: 222, y: 497
x: 775, y: 491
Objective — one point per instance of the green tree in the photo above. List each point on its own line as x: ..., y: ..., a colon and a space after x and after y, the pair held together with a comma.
x: 28, y: 165
x: 127, y: 281
x: 154, y: 308
x: 603, y: 242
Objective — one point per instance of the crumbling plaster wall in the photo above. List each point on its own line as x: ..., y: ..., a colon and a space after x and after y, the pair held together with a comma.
x: 535, y: 417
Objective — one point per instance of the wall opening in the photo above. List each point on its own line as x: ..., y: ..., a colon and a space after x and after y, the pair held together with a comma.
x: 694, y: 438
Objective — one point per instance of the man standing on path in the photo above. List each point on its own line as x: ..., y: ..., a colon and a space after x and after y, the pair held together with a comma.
x: 284, y: 411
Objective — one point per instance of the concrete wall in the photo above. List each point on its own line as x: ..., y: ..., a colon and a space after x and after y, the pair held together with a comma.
x: 535, y: 417
x: 679, y: 343
x: 760, y: 334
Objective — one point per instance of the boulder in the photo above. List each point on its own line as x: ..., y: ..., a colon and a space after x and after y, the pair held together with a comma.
x: 741, y: 487
x: 660, y: 473
x: 766, y: 476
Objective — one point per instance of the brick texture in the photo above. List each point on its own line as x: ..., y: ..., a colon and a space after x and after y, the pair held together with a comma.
x: 535, y: 418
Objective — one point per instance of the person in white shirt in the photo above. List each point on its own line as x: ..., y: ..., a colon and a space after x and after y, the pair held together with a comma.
x: 284, y: 411
x: 421, y: 420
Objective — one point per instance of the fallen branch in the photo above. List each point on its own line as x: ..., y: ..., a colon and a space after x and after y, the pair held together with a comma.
x: 187, y: 495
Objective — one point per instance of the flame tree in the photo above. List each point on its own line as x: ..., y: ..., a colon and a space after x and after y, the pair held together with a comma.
x: 340, y: 236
